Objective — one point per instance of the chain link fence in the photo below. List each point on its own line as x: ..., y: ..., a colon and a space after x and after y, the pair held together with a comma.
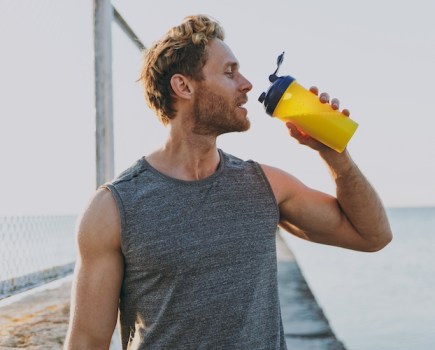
x: 35, y: 250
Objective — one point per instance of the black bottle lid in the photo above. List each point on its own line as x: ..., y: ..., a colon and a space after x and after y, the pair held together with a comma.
x: 279, y: 84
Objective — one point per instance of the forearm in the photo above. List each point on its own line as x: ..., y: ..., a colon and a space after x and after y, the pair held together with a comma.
x: 358, y: 200
x: 82, y: 340
x: 94, y: 311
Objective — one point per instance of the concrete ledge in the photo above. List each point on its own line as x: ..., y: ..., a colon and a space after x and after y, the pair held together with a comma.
x: 305, y: 325
x: 32, y: 280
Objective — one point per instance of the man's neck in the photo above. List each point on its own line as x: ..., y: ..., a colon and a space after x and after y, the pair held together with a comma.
x: 186, y: 156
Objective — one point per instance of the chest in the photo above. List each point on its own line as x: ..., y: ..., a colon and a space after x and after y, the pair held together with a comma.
x: 195, y: 229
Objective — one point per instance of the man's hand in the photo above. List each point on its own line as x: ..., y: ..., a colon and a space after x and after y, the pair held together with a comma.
x: 307, y: 140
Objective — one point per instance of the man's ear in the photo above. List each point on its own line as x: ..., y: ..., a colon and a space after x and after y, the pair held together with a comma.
x: 181, y: 86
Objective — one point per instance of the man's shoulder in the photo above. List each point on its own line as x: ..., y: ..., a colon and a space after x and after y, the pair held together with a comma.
x: 100, y: 218
x: 131, y: 172
x: 232, y: 160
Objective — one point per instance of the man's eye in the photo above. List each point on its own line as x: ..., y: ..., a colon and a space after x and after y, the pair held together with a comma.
x: 229, y: 74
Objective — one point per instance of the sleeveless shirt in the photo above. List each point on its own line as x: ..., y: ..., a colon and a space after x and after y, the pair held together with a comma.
x: 200, y: 269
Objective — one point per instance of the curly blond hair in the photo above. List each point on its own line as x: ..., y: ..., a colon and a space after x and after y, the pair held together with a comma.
x: 181, y: 50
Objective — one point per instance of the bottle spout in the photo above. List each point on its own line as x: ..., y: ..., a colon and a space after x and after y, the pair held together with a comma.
x: 273, y: 77
x: 278, y: 86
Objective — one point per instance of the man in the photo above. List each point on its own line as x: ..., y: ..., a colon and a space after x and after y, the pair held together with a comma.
x: 184, y: 240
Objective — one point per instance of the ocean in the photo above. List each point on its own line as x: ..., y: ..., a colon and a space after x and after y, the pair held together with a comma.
x: 376, y: 301
x: 383, y: 300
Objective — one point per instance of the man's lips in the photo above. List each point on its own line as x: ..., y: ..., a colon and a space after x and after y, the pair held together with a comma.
x: 242, y: 102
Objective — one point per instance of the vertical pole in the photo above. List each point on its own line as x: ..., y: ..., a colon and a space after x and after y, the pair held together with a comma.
x: 103, y: 14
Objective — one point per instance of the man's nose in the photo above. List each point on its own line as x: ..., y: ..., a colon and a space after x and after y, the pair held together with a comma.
x: 245, y: 84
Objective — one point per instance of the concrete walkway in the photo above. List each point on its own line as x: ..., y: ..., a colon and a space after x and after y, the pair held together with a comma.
x: 305, y: 325
x: 39, y: 319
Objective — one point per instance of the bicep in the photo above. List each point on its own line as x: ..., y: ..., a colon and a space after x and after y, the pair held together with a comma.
x: 311, y: 214
x: 98, y: 273
x: 317, y: 217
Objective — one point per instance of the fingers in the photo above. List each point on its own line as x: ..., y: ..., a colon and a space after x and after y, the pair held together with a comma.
x: 314, y: 90
x: 346, y: 112
x: 295, y: 132
x: 303, y: 138
x: 325, y: 98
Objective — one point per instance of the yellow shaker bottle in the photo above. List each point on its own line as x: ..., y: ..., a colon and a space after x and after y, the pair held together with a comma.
x: 289, y: 101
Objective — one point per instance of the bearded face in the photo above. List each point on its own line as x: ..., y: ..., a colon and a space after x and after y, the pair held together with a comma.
x: 215, y: 114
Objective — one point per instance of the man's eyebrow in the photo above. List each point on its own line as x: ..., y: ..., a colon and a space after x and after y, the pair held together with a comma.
x: 232, y: 64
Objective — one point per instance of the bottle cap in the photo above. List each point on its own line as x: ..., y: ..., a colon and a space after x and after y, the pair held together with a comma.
x: 279, y: 84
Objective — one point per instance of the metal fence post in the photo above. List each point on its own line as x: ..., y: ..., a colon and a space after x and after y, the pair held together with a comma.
x: 103, y: 15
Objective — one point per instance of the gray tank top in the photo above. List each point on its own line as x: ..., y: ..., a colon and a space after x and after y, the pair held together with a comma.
x: 200, y: 259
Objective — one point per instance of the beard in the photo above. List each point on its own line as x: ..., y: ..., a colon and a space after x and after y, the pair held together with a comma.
x: 215, y: 115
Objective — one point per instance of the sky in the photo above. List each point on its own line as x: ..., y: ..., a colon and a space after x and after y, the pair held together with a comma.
x: 375, y: 56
